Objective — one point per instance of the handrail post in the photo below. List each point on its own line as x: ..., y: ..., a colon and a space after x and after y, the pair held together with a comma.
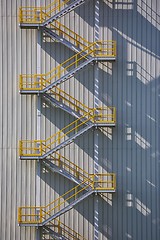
x: 20, y: 82
x: 114, y: 115
x: 59, y: 5
x: 76, y: 190
x: 19, y: 215
x: 20, y: 148
x: 41, y: 216
x: 114, y: 178
x: 76, y: 60
x: 76, y: 128
x: 114, y: 48
x: 59, y: 135
x: 59, y: 71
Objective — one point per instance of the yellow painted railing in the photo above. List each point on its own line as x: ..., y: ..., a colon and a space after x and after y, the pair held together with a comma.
x: 73, y: 169
x: 69, y: 35
x: 39, y: 147
x: 64, y: 230
x: 35, y: 215
x: 99, y: 49
x: 39, y: 15
x: 68, y: 100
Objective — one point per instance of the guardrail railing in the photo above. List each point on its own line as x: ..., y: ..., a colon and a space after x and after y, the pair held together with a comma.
x: 39, y: 147
x: 34, y: 15
x: 37, y: 82
x: 96, y: 182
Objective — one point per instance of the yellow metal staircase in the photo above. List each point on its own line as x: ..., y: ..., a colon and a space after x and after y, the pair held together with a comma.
x: 40, y: 83
x: 58, y: 31
x: 65, y: 101
x: 46, y: 215
x: 46, y: 150
x: 40, y: 149
x: 40, y: 216
x: 58, y: 229
x: 58, y: 163
x: 32, y: 17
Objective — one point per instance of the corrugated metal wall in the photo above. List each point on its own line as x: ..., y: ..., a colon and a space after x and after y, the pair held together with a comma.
x: 131, y: 150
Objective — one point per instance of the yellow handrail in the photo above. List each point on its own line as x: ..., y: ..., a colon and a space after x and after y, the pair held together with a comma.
x: 67, y: 99
x: 66, y: 231
x: 70, y: 167
x: 34, y: 214
x: 39, y: 15
x: 73, y: 37
x: 81, y: 174
x: 100, y: 49
x: 101, y: 115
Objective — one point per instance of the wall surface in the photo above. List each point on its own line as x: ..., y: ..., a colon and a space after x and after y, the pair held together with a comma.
x: 131, y: 149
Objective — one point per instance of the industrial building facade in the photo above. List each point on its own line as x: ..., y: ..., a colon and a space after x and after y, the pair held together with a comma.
x: 79, y: 119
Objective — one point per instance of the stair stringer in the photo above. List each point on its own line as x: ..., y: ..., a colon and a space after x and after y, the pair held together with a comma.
x: 61, y: 105
x: 63, y: 12
x: 55, y: 36
x: 67, y: 208
x: 61, y: 171
x: 61, y: 145
x: 54, y: 235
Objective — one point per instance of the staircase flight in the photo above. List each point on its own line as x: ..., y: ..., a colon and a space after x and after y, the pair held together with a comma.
x: 34, y: 17
x: 40, y: 149
x: 60, y: 164
x: 58, y: 230
x: 40, y: 216
x: 58, y: 31
x: 41, y: 83
x: 66, y: 102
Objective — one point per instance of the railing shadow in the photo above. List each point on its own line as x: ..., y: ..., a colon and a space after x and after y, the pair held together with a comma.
x: 84, y: 208
x: 85, y: 142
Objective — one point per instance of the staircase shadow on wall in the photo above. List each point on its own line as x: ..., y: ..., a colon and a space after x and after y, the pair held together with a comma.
x: 84, y: 208
x: 86, y: 141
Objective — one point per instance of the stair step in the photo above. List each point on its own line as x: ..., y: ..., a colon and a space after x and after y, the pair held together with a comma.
x: 55, y: 36
x: 68, y: 75
x: 61, y: 105
x: 61, y: 145
x: 67, y: 208
x: 48, y: 231
x: 64, y: 11
x: 54, y: 168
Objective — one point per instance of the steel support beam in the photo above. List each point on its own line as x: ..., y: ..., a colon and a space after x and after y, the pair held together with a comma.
x: 96, y: 134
